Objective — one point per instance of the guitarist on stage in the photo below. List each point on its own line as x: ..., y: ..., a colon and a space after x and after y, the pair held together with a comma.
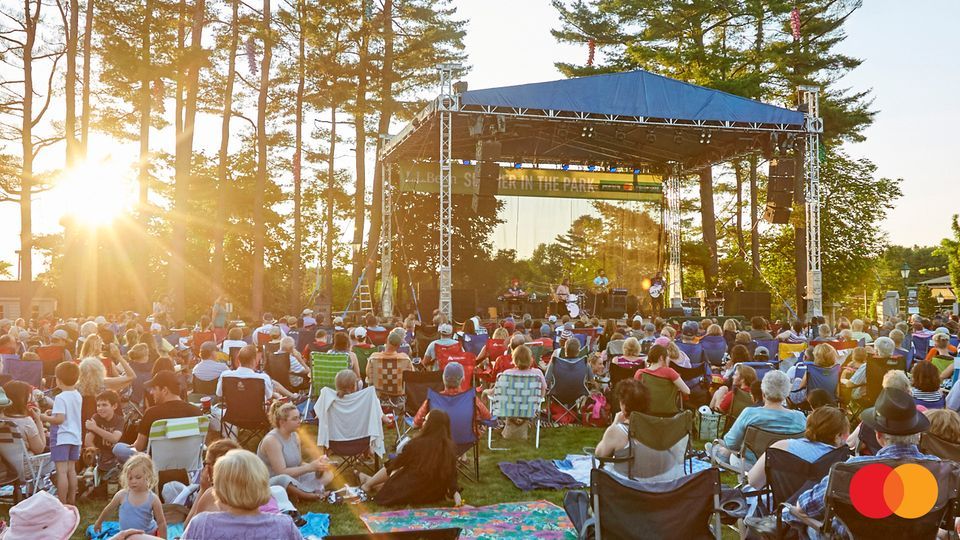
x: 658, y: 286
x: 600, y: 292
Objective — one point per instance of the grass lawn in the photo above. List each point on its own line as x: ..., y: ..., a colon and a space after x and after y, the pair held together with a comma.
x: 494, y: 487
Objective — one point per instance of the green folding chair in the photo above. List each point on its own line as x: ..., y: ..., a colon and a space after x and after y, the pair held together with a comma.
x: 664, y: 395
x: 363, y: 356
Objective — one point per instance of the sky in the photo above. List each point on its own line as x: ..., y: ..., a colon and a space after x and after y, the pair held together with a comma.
x: 911, y: 67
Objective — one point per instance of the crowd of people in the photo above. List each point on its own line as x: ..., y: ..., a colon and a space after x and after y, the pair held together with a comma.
x: 86, y: 415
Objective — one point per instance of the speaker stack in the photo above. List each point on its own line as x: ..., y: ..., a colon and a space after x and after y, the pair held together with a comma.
x: 781, y: 180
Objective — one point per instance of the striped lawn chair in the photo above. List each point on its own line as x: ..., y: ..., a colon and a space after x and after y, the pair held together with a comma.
x: 177, y: 443
x: 516, y: 396
x: 27, y: 470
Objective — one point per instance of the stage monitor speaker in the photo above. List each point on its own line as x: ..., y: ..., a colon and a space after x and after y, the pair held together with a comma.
x: 777, y: 214
x: 748, y: 304
x: 666, y: 313
x: 618, y: 302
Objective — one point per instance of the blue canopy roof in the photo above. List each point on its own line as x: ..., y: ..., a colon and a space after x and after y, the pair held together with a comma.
x: 634, y: 93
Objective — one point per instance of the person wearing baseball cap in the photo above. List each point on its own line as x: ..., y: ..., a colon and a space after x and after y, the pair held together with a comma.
x: 268, y: 324
x: 165, y: 390
x: 307, y: 317
x: 61, y: 338
x: 898, y: 425
x: 446, y: 339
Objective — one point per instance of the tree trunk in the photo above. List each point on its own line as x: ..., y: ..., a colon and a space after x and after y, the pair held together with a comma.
x: 143, y: 173
x: 220, y: 229
x: 87, y: 83
x: 70, y: 84
x: 26, y: 173
x: 183, y: 161
x: 754, y: 235
x: 709, y: 224
x: 259, y: 232
x: 296, y: 285
x: 331, y: 186
x: 359, y: 115
x: 383, y: 129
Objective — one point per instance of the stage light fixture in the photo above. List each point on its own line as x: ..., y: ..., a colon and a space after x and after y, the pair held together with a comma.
x: 467, y: 162
x: 518, y: 165
x: 636, y: 171
x: 586, y: 132
x: 591, y: 168
x: 613, y: 169
x: 706, y: 137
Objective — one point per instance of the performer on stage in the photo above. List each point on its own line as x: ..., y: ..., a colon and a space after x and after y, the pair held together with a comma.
x: 515, y: 296
x: 601, y: 292
x: 560, y: 297
x: 658, y: 287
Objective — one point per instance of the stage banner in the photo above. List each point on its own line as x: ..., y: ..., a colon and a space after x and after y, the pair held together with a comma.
x: 424, y: 178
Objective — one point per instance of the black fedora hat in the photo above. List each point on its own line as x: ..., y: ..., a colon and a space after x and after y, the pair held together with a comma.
x: 895, y: 414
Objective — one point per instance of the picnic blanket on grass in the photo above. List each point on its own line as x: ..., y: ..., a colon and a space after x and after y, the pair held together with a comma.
x: 538, y: 474
x: 578, y: 466
x: 535, y: 519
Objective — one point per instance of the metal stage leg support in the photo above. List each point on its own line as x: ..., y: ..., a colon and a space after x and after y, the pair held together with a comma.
x: 810, y: 98
x: 446, y: 104
x: 386, y: 243
x: 673, y: 229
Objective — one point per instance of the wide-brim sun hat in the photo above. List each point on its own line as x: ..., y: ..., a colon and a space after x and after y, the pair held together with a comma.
x: 41, y: 516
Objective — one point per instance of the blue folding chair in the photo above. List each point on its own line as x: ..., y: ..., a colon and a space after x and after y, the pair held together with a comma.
x: 772, y: 345
x: 907, y: 354
x: 475, y: 343
x: 462, y: 412
x: 28, y: 371
x: 826, y: 378
x: 567, y: 383
x: 761, y: 368
x: 921, y: 344
x: 694, y: 351
x: 715, y: 349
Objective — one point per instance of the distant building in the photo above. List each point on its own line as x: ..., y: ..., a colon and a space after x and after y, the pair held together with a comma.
x: 43, y: 300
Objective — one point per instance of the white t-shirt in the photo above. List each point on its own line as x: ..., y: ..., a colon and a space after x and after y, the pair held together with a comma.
x: 68, y: 404
x: 247, y: 373
x: 227, y: 343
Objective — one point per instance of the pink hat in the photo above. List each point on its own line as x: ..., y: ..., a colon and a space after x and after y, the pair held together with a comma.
x: 41, y: 516
x: 662, y: 341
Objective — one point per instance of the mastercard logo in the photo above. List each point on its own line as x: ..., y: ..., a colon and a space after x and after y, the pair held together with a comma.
x: 878, y: 490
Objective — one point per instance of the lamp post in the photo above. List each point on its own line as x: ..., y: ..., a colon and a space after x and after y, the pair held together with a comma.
x: 905, y: 273
x: 939, y: 298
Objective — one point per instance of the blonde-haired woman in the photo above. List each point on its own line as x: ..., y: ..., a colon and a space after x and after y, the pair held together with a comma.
x: 93, y: 380
x: 241, y: 484
x: 281, y: 452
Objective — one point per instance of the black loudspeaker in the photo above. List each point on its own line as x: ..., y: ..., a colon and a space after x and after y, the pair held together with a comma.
x: 748, y: 304
x: 666, y: 313
x: 618, y: 301
x: 781, y: 180
x: 464, y: 303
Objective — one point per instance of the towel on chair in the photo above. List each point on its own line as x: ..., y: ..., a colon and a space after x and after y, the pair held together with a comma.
x: 354, y: 416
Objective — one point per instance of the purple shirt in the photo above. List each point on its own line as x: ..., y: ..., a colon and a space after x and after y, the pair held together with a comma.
x: 226, y: 526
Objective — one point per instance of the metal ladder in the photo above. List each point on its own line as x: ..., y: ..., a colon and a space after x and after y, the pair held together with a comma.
x: 362, y: 292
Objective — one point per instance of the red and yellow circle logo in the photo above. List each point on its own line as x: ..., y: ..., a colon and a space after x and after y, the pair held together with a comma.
x: 878, y: 490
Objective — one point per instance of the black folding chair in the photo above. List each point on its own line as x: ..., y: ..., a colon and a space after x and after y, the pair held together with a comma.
x: 755, y: 440
x: 353, y: 453
x: 244, y: 417
x: 789, y: 475
x: 416, y: 384
x: 619, y: 508
x: 278, y: 368
x: 698, y: 381
x: 838, y: 505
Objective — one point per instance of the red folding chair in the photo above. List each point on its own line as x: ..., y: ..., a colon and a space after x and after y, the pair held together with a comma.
x: 469, y: 363
x: 199, y: 338
x: 441, y: 352
x: 377, y: 337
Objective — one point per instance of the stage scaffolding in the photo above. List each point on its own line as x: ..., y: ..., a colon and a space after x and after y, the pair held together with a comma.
x: 544, y: 132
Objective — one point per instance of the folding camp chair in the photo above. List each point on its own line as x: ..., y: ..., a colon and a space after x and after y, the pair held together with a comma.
x: 28, y: 371
x: 824, y: 378
x: 474, y: 343
x: 277, y: 366
x: 323, y: 370
x: 234, y: 363
x: 618, y: 373
x: 462, y: 412
x: 715, y: 349
x: 755, y: 441
x: 352, y: 441
x: 761, y: 368
x: 658, y: 434
x: 617, y: 508
x: 469, y: 363
x: 790, y: 350
x: 772, y: 345
x: 24, y: 471
x: 567, y: 387
x: 838, y: 505
x: 741, y: 400
x: 516, y: 396
x: 423, y: 336
x: 694, y: 351
x: 664, y: 395
x: 415, y: 387
x: 942, y: 362
x: 907, y: 355
x: 363, y: 356
x: 177, y: 443
x: 377, y: 337
x: 199, y: 338
x: 920, y: 344
x: 244, y: 417
x: 943, y: 449
x: 51, y: 356
x: 698, y: 378
x: 202, y: 388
